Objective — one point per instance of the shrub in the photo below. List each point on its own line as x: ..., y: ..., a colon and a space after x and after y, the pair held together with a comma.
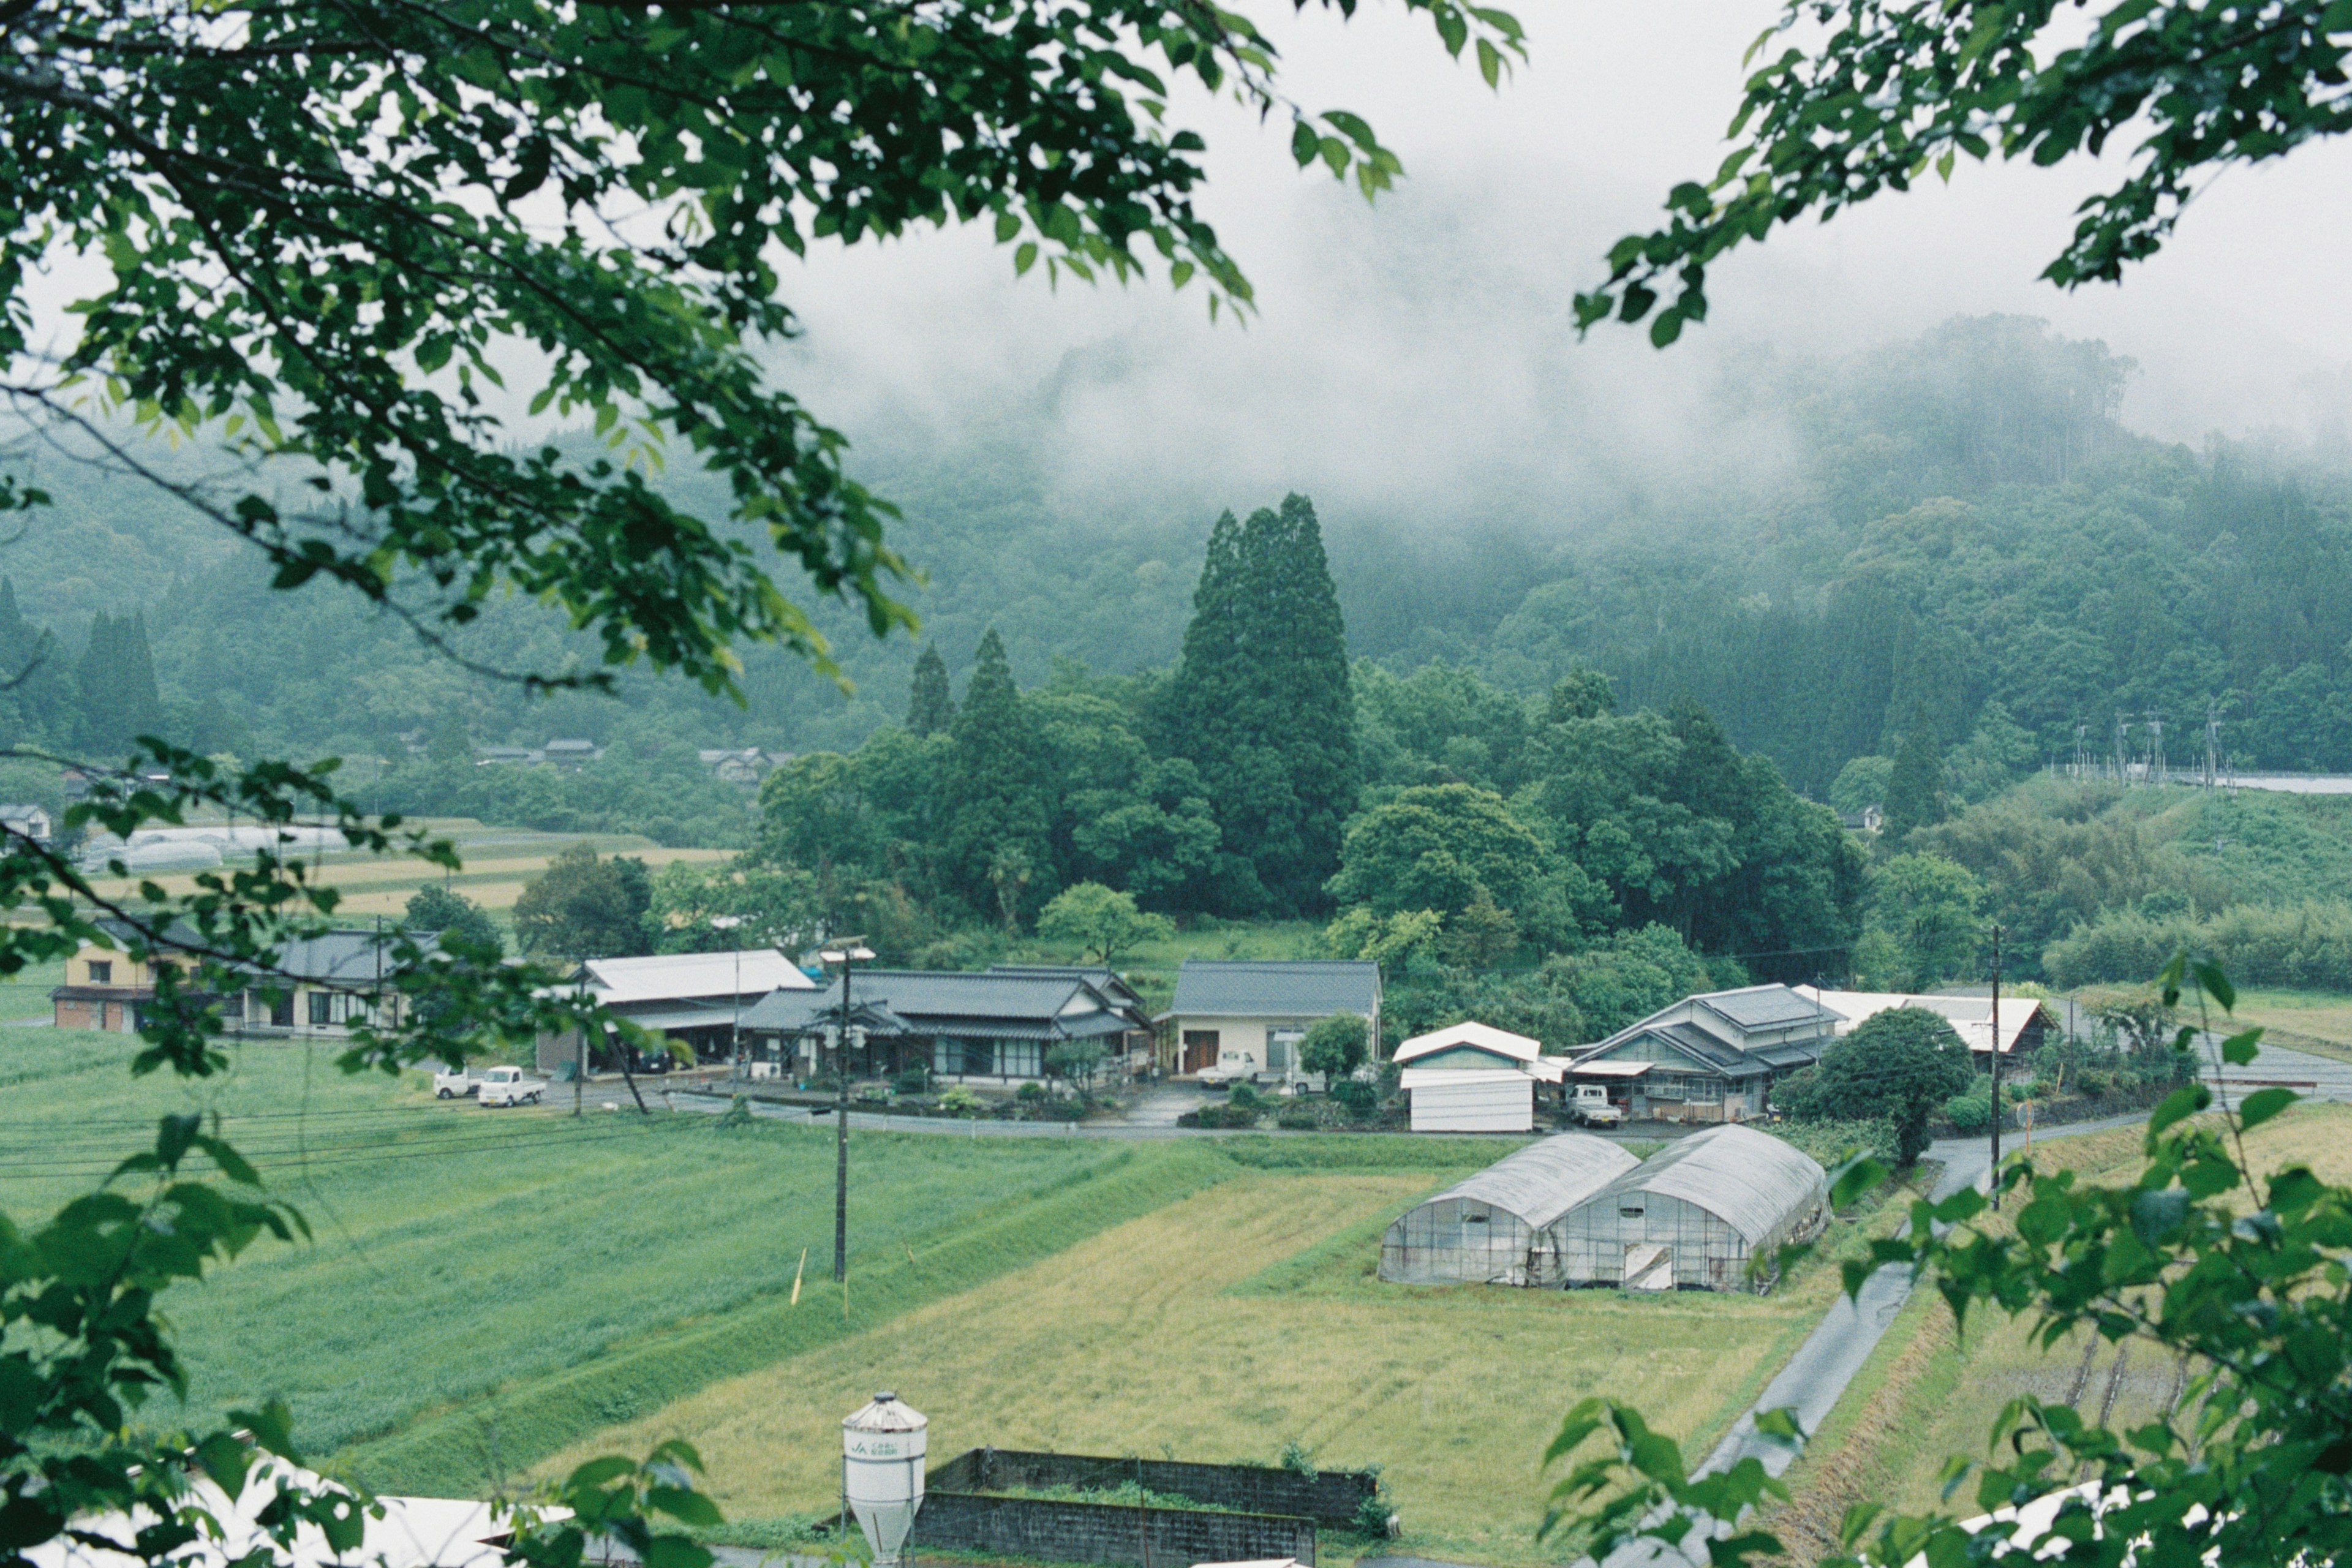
x: 1245, y: 1097
x: 1030, y: 1093
x: 1220, y: 1116
x: 914, y: 1081
x: 1969, y: 1113
x: 1900, y: 1064
x: 1357, y: 1098
x: 961, y: 1102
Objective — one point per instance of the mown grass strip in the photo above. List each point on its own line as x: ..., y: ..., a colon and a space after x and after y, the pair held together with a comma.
x: 483, y: 1443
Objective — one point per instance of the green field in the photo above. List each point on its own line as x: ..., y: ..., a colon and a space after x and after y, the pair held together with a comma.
x: 489, y: 1293
x: 2319, y: 1022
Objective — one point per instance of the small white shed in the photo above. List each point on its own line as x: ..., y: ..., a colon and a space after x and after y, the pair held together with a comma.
x: 1452, y: 1099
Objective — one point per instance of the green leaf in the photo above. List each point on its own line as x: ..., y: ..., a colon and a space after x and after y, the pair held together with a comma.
x: 1304, y: 145
x: 2181, y: 1104
x: 1007, y: 225
x: 1490, y: 63
x: 2242, y: 1048
x: 2262, y: 1104
x: 1025, y: 257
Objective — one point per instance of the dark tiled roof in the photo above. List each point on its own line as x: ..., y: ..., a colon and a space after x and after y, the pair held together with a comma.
x: 795, y: 1012
x: 984, y: 1004
x: 1702, y: 1045
x: 1110, y: 982
x: 1795, y: 1054
x: 1295, y: 988
x: 1763, y: 1006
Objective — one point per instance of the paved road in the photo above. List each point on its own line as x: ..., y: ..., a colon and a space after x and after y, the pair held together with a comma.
x: 2317, y: 1078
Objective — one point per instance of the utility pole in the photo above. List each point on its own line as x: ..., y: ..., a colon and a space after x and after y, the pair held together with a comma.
x: 1996, y: 1065
x: 2123, y: 760
x: 846, y: 955
x: 2155, y: 766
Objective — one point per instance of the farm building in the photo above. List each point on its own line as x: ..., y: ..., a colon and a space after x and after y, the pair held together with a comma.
x: 1712, y: 1057
x: 1473, y: 1077
x: 1693, y: 1214
x: 1490, y: 1229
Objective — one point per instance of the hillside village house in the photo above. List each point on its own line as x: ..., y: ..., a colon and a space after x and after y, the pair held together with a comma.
x: 31, y: 821
x: 1711, y: 1057
x: 997, y: 1028
x: 1260, y: 1009
x: 321, y: 986
x: 693, y: 997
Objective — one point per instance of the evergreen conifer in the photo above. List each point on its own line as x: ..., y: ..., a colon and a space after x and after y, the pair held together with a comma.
x: 994, y: 809
x: 1914, y: 794
x: 931, y: 708
x: 1261, y: 704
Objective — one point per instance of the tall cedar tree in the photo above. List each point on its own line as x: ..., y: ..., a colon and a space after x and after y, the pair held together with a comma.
x: 1914, y: 794
x: 1261, y: 704
x: 995, y: 807
x: 117, y: 677
x: 930, y: 707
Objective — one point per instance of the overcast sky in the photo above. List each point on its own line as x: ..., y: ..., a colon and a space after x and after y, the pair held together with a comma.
x: 1406, y: 349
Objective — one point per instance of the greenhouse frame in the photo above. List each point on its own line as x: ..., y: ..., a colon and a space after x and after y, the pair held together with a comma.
x: 1693, y: 1216
x: 1490, y: 1228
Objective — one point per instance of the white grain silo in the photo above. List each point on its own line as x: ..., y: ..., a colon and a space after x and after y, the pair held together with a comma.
x: 882, y: 1450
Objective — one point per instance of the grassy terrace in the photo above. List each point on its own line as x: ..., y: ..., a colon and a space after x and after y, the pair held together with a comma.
x: 491, y: 1293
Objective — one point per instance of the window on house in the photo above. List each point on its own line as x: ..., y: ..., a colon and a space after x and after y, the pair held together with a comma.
x: 101, y: 971
x: 321, y: 1007
x: 1663, y: 1087
x: 1706, y: 1091
x: 1017, y: 1059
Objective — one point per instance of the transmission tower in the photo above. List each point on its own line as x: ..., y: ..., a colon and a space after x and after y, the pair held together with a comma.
x: 2213, y: 743
x: 2155, y: 747
x: 2082, y: 754
x: 2123, y: 757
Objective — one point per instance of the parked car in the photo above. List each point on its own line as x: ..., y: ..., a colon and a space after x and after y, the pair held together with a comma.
x: 1230, y: 1069
x: 1594, y: 1107
x: 455, y: 1083
x: 508, y: 1086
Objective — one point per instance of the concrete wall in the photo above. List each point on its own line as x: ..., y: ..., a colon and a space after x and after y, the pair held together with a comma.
x: 1329, y: 1497
x: 1105, y: 1532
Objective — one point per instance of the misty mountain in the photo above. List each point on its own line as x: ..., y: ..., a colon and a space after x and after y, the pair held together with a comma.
x: 1925, y: 528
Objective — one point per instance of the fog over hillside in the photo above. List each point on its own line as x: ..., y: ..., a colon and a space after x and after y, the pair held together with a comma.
x: 1414, y: 368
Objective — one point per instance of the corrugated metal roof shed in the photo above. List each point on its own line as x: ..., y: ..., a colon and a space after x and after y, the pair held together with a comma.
x: 1752, y: 1180
x: 689, y: 976
x: 1546, y: 1179
x: 1295, y: 988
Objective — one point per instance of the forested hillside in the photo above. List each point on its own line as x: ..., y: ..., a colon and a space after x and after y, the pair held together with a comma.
x: 1963, y: 519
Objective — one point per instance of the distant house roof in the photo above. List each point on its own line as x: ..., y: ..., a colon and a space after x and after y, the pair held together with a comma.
x: 1971, y: 1016
x: 691, y: 976
x: 575, y: 745
x: 1470, y: 1036
x: 1270, y: 988
x: 1761, y: 1006
x: 1107, y: 981
x: 1749, y: 1009
x: 20, y: 811
x: 980, y: 1005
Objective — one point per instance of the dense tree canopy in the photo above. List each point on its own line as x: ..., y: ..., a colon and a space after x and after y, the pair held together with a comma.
x: 1260, y: 703
x: 1900, y: 1065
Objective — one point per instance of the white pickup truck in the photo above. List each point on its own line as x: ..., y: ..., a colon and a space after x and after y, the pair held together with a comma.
x: 456, y: 1083
x: 508, y: 1086
x: 1592, y: 1107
